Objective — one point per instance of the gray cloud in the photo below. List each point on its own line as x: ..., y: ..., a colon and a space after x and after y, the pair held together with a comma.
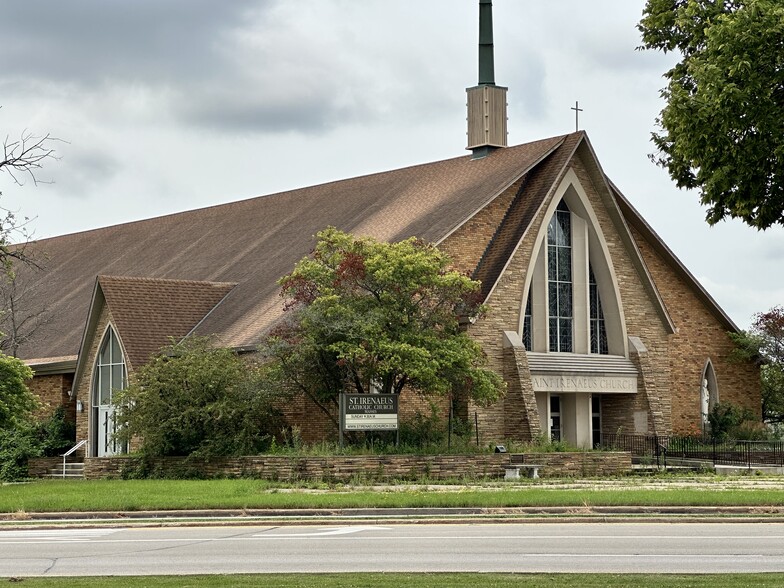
x: 87, y: 168
x: 249, y: 65
x: 91, y: 41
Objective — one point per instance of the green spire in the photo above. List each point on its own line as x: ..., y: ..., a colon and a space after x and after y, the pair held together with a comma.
x: 486, y: 61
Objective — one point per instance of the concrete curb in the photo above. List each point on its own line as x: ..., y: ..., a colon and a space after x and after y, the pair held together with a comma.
x: 603, y: 514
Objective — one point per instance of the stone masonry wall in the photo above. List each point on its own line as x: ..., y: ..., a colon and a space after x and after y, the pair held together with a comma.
x: 375, y: 467
x: 495, y: 423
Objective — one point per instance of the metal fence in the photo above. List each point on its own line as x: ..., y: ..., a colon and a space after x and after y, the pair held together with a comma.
x: 703, y: 449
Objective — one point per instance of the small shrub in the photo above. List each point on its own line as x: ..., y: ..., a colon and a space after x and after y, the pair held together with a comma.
x: 16, y: 447
x: 726, y: 420
x: 49, y: 437
x: 752, y: 431
x: 424, y: 429
x: 56, y: 434
x: 544, y: 444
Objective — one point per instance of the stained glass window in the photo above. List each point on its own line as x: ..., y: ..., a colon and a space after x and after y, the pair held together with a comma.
x: 598, y: 329
x: 559, y: 274
x: 527, y: 338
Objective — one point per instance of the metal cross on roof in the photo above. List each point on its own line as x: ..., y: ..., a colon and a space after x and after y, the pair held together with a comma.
x: 577, y: 111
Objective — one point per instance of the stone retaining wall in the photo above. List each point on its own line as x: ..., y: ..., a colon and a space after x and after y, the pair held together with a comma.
x: 366, y: 468
x: 38, y: 467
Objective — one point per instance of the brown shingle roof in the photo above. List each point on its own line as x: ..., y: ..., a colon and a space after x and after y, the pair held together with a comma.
x: 533, y: 192
x: 149, y: 312
x: 254, y: 242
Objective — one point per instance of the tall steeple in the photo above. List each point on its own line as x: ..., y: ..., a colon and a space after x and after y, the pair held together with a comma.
x: 486, y: 101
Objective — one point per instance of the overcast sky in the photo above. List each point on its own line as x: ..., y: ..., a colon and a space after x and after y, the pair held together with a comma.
x: 169, y: 105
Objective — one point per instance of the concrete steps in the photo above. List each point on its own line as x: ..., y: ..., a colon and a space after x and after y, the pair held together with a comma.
x: 72, y: 471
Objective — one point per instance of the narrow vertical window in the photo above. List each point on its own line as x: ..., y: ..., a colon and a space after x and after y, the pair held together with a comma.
x: 598, y: 329
x: 559, y: 279
x: 109, y: 375
x: 596, y: 420
x: 555, y: 418
x: 527, y: 339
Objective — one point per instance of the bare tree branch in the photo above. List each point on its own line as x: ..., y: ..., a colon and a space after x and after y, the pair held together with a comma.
x: 26, y: 155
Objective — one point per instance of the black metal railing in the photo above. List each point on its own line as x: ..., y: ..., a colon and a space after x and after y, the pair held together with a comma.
x: 704, y: 449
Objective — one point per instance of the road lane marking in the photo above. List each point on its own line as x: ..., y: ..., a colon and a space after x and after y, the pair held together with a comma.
x: 331, y: 532
x: 56, y: 534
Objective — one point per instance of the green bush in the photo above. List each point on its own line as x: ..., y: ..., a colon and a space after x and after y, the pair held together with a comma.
x: 48, y: 437
x: 193, y: 399
x: 56, y: 434
x: 422, y: 430
x: 730, y: 421
x: 16, y: 447
x: 430, y: 432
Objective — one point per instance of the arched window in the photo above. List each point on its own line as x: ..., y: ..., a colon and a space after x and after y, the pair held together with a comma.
x: 109, y: 375
x: 572, y: 287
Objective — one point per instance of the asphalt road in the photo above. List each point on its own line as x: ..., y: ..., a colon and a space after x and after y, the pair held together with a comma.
x: 552, y: 547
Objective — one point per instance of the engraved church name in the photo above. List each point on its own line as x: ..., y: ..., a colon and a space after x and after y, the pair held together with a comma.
x: 598, y: 384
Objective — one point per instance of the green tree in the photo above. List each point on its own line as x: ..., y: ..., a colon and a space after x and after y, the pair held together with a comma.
x: 365, y: 315
x: 16, y: 401
x: 728, y: 420
x: 17, y: 429
x: 723, y: 123
x: 196, y: 399
x: 764, y: 342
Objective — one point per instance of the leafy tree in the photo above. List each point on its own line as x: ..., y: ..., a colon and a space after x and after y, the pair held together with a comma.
x: 196, y: 399
x: 16, y: 401
x: 370, y: 316
x: 723, y: 124
x: 764, y: 341
x: 17, y: 432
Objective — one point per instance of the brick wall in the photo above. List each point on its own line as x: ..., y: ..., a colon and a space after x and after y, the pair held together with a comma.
x: 381, y: 467
x: 641, y: 318
x: 52, y: 392
x: 701, y: 336
x: 467, y: 244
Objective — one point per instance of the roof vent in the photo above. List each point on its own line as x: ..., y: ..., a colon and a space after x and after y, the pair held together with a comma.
x: 486, y: 101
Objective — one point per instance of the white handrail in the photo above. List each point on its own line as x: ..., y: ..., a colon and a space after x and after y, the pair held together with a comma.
x: 70, y: 451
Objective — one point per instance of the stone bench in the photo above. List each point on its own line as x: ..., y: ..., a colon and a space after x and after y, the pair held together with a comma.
x: 513, y: 470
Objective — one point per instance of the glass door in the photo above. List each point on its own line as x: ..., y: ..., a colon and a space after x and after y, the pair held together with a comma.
x: 555, y: 418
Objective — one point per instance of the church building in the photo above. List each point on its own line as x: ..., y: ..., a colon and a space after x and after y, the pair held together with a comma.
x: 594, y: 324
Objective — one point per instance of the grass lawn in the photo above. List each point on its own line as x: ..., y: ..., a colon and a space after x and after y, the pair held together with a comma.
x: 434, y: 580
x: 134, y: 495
